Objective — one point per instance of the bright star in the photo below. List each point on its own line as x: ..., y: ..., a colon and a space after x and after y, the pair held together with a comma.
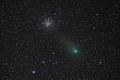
x: 33, y: 71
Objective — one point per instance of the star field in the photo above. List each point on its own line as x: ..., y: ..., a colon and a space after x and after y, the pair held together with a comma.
x: 59, y: 40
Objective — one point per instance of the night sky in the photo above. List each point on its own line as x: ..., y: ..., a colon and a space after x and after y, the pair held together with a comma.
x: 59, y: 40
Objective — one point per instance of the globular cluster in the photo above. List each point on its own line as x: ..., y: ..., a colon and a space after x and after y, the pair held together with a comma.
x: 48, y: 23
x: 59, y: 40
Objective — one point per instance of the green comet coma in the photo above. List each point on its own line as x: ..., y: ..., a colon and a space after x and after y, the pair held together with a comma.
x: 73, y: 49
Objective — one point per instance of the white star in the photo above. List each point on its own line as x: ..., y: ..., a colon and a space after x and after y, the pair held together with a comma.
x: 43, y: 62
x: 53, y: 52
x: 33, y: 72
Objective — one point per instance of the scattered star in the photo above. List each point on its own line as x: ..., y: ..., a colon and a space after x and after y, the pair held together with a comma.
x: 53, y: 52
x: 33, y: 71
x: 59, y: 40
x: 43, y: 62
x: 56, y: 62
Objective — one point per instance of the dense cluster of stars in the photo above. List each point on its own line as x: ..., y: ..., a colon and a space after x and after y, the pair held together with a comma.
x: 59, y: 40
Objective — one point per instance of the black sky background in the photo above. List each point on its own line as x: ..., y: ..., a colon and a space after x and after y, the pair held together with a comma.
x: 25, y: 43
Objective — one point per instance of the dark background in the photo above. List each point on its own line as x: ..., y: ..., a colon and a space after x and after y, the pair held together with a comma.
x: 27, y: 46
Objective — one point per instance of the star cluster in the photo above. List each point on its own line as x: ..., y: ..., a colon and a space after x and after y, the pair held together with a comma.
x: 59, y: 40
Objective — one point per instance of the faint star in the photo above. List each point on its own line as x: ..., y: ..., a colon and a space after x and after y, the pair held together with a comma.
x: 53, y: 52
x: 43, y: 62
x: 100, y: 62
x: 80, y: 40
x: 56, y: 62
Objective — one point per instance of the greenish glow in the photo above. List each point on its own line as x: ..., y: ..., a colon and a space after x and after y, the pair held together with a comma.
x: 73, y: 49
